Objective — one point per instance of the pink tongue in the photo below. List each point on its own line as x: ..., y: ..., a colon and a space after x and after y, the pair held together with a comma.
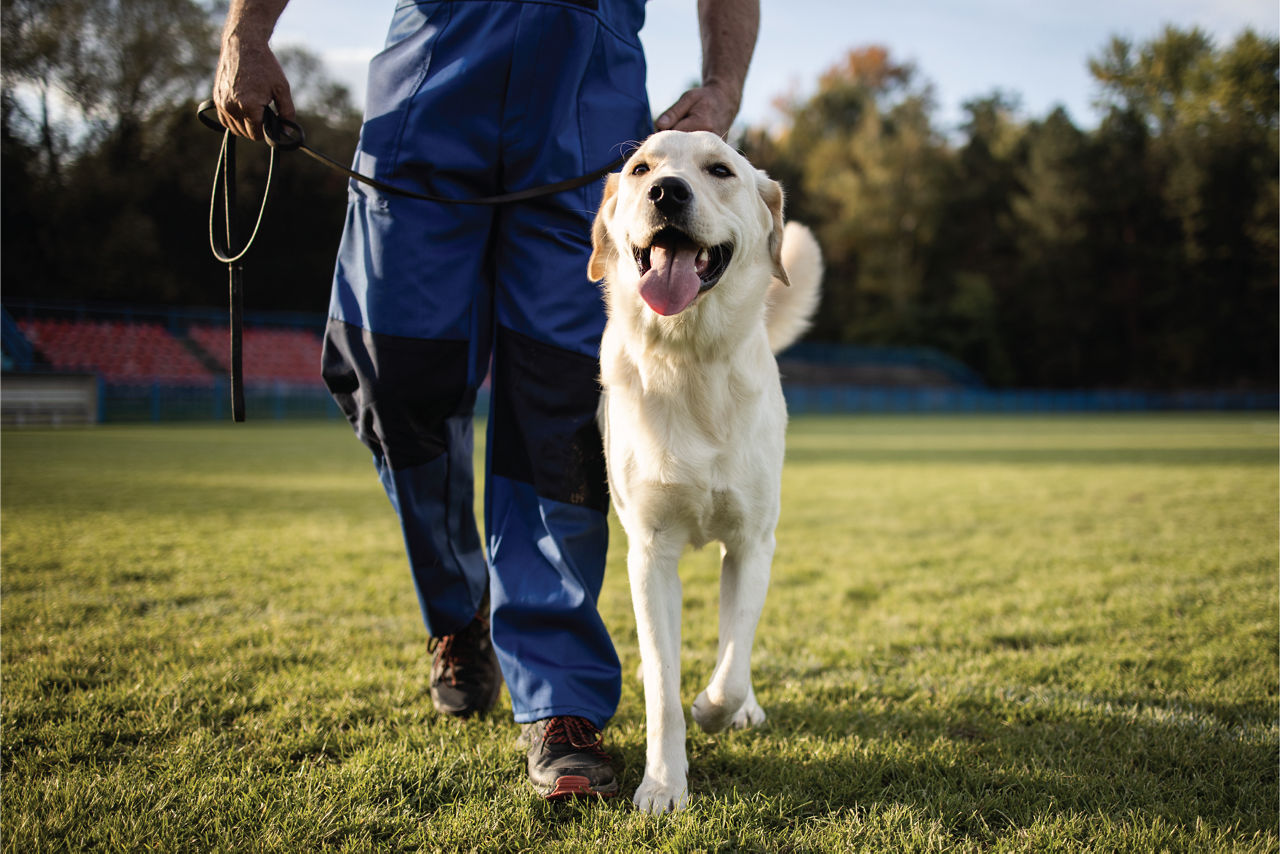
x: 672, y: 282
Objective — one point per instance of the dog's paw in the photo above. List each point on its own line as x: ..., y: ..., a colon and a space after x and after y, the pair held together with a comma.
x: 657, y: 798
x: 711, y: 716
x: 749, y: 715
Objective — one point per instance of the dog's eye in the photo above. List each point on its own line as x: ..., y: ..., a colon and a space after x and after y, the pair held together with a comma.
x: 720, y: 170
x: 640, y: 169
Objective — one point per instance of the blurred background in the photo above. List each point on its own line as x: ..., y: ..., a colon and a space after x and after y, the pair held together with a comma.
x: 1021, y: 207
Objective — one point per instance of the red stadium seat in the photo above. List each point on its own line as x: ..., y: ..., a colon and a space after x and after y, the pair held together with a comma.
x: 119, y: 352
x: 271, y: 355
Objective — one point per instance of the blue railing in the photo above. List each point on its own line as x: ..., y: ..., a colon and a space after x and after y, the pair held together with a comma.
x: 277, y: 401
x: 901, y: 399
x: 945, y: 367
x: 162, y: 402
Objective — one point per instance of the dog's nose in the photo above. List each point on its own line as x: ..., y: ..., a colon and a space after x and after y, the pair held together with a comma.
x: 670, y: 194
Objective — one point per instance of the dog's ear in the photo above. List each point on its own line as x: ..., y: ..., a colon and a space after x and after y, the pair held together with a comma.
x: 771, y: 194
x: 602, y: 249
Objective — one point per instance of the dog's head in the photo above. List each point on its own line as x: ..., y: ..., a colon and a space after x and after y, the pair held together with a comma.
x: 685, y: 214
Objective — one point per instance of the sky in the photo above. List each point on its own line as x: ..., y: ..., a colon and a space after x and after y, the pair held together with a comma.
x: 1035, y: 49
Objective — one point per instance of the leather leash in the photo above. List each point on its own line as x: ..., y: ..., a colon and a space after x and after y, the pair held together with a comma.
x: 286, y: 135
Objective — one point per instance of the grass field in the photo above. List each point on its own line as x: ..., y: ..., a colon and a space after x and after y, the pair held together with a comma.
x: 1006, y: 634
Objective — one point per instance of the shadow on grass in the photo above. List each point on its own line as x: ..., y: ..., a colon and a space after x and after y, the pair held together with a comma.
x: 988, y: 769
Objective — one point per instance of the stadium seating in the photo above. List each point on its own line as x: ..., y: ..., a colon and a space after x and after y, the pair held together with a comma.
x: 271, y: 355
x: 124, y: 352
x: 119, y: 352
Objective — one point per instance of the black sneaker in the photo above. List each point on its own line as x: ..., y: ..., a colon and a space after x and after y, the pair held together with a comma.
x: 465, y: 678
x: 566, y: 759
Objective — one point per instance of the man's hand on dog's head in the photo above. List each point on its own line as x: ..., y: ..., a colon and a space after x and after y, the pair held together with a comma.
x: 708, y: 107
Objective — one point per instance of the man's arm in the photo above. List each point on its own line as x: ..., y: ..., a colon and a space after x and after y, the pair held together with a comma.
x: 249, y: 77
x: 728, y: 30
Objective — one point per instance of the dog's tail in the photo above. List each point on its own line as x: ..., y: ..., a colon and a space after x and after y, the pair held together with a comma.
x: 788, y: 310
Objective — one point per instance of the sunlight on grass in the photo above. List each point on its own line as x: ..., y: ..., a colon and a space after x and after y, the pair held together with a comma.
x: 982, y: 634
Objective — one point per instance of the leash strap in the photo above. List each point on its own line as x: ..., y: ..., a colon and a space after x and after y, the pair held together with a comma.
x: 501, y: 199
x: 237, y: 343
x: 287, y: 135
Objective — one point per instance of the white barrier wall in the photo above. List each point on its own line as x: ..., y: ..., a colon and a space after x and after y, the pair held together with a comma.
x: 48, y: 399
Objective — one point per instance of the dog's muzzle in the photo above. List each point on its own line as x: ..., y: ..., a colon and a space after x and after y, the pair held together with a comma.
x: 675, y: 269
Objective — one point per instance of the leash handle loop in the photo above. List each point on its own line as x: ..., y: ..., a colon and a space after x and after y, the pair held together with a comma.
x: 225, y: 170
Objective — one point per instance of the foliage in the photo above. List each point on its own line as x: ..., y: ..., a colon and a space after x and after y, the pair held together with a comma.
x: 982, y: 634
x: 107, y: 173
x: 1143, y: 252
x: 863, y: 164
x: 117, y: 63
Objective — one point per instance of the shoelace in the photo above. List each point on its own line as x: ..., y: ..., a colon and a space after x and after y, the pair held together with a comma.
x: 443, y: 648
x: 576, y: 732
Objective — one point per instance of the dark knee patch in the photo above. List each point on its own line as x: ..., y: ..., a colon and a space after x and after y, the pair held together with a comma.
x: 397, y: 392
x: 544, y: 420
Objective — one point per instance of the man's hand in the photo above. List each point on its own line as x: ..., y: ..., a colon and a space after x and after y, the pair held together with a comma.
x: 707, y: 107
x: 728, y: 29
x: 249, y: 76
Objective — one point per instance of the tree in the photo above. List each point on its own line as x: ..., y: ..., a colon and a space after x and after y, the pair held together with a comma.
x: 1055, y: 303
x: 859, y: 157
x: 1210, y: 118
x: 116, y: 62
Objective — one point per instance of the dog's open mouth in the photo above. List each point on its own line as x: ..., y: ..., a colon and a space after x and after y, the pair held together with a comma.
x: 674, y: 269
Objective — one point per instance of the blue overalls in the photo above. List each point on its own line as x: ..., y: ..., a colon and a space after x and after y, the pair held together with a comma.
x: 474, y: 98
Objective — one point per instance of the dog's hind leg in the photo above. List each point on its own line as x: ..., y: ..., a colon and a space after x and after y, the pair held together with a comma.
x: 655, y: 594
x: 729, y: 697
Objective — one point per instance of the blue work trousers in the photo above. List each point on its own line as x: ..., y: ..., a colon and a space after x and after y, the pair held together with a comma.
x: 475, y: 98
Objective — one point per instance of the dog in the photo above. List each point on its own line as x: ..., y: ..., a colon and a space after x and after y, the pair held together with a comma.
x: 703, y: 284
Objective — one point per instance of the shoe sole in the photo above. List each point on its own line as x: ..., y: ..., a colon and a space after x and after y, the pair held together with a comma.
x: 573, y: 786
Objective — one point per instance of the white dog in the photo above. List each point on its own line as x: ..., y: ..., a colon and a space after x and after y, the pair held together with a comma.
x: 690, y: 242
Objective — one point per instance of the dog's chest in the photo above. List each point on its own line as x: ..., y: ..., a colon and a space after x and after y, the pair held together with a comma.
x: 673, y: 466
x: 705, y: 509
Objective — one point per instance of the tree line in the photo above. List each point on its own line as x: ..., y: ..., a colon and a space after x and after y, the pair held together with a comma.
x: 1141, y: 253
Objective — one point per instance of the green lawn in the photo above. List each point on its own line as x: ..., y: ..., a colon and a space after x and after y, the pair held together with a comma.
x: 1009, y: 634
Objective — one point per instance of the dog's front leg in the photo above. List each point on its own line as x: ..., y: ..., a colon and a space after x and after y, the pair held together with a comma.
x: 744, y: 580
x: 655, y: 594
